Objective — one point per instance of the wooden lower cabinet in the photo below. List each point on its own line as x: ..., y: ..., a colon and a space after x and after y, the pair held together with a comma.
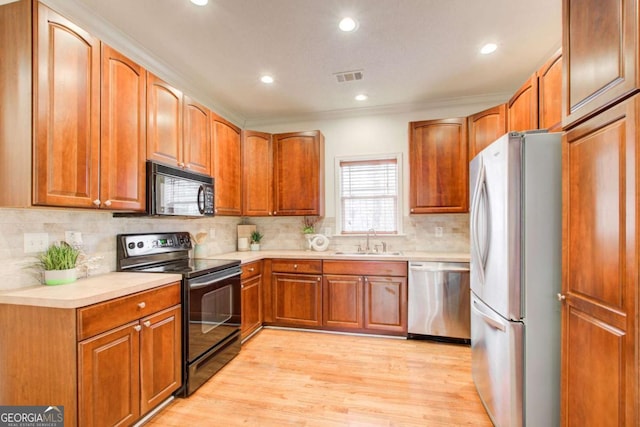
x: 365, y: 296
x: 108, y: 364
x: 600, y: 352
x: 251, y: 282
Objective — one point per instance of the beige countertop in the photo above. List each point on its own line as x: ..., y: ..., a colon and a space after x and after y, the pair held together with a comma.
x: 250, y: 256
x: 87, y: 291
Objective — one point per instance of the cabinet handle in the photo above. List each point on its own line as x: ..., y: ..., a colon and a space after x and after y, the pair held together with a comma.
x: 252, y: 269
x: 142, y: 304
x: 318, y: 279
x: 147, y: 323
x: 561, y: 297
x: 137, y: 328
x: 181, y: 164
x: 411, y: 209
x: 295, y: 265
x: 107, y: 203
x: 96, y: 202
x: 275, y: 213
x: 241, y: 286
x: 365, y: 279
x: 270, y: 213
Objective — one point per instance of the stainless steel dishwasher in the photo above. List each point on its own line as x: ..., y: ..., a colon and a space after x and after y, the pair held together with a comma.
x: 439, y: 303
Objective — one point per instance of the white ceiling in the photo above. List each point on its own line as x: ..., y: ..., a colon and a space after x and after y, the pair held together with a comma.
x: 413, y: 53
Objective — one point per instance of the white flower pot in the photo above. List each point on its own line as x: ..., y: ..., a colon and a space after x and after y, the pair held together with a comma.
x: 255, y: 246
x: 60, y: 277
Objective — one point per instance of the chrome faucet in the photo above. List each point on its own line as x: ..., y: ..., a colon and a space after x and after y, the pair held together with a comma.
x: 368, y: 248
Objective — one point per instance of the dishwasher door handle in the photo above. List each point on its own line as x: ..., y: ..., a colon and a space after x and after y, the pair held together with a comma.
x: 436, y: 269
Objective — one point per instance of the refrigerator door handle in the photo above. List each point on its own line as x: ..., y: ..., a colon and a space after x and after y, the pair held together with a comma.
x: 487, y: 319
x: 478, y: 194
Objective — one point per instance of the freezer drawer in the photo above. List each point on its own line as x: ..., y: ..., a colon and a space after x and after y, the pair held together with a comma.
x: 497, y: 360
x: 439, y: 300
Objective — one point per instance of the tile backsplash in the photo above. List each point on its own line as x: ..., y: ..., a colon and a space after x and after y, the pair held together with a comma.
x: 100, y: 228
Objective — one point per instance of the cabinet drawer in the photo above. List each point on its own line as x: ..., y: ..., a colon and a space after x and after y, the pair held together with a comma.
x: 251, y: 270
x: 366, y: 268
x: 103, y: 316
x: 313, y: 266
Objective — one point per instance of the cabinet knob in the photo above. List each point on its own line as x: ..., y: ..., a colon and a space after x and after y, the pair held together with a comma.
x: 142, y: 304
x: 107, y: 203
x: 411, y: 209
x: 295, y: 265
x: 241, y: 286
x: 561, y: 297
x: 275, y: 213
x: 181, y: 164
x: 318, y: 279
x: 147, y: 323
x: 96, y: 202
x: 270, y: 213
x: 365, y: 279
x: 137, y: 328
x: 252, y: 269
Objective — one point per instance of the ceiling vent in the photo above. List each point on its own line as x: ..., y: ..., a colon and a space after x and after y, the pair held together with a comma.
x: 348, y: 76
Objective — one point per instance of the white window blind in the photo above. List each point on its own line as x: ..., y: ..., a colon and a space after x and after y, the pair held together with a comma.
x: 369, y: 196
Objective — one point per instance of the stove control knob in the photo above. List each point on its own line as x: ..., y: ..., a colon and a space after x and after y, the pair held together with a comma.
x: 131, y: 245
x: 140, y: 244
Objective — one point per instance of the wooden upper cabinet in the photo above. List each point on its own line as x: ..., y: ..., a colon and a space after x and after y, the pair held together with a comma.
x: 226, y: 151
x: 485, y: 127
x: 164, y: 122
x: 522, y: 108
x: 123, y: 132
x: 438, y: 163
x: 600, y: 55
x: 600, y: 269
x: 66, y: 112
x: 298, y: 173
x: 257, y: 174
x: 196, y: 144
x: 550, y: 93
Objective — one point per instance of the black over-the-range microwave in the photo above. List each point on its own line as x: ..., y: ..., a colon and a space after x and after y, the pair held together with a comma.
x: 178, y: 192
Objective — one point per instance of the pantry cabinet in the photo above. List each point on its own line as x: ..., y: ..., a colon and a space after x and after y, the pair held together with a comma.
x: 522, y: 108
x: 438, y: 163
x: 485, y: 127
x: 226, y: 149
x: 600, y: 275
x: 600, y: 47
x: 365, y: 296
x: 298, y: 173
x: 251, y: 282
x: 66, y: 81
x: 294, y: 292
x: 257, y: 174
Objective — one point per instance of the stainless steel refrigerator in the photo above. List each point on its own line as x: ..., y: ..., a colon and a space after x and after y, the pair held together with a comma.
x: 516, y: 231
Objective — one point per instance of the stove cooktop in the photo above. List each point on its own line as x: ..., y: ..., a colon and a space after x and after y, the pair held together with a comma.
x: 190, y: 267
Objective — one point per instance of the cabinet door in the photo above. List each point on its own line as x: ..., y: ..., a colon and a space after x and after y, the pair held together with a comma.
x: 227, y: 171
x: 385, y: 304
x: 600, y: 275
x: 438, y: 162
x: 66, y: 112
x: 251, y: 305
x: 299, y: 173
x: 522, y: 108
x: 342, y: 301
x: 297, y: 299
x: 257, y: 174
x: 601, y: 55
x: 160, y: 357
x: 485, y: 127
x: 550, y: 93
x: 123, y: 132
x: 164, y: 122
x: 108, y: 377
x: 196, y: 148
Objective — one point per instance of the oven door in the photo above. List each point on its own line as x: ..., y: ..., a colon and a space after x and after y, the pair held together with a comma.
x: 213, y: 313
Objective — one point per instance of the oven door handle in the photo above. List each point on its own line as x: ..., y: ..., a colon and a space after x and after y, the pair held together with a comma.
x: 195, y: 285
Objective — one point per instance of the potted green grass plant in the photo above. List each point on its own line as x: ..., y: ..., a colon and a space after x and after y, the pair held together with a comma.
x: 256, y: 237
x: 59, y: 263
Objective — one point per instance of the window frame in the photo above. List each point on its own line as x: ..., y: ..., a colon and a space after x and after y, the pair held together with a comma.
x: 338, y: 190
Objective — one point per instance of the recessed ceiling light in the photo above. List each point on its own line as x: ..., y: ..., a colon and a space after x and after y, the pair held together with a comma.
x: 200, y: 2
x: 361, y: 97
x: 348, y: 24
x: 266, y: 79
x: 488, y: 48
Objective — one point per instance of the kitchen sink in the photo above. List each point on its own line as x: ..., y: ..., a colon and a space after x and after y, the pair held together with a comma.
x: 396, y: 253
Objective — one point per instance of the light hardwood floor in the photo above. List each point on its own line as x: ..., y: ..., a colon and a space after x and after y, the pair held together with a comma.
x: 296, y: 378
